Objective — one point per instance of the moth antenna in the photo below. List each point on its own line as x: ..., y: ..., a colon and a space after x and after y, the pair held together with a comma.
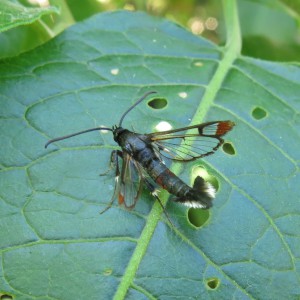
x: 74, y: 134
x: 134, y: 105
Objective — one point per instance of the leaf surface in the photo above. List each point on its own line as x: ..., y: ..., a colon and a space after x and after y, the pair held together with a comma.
x: 55, y: 245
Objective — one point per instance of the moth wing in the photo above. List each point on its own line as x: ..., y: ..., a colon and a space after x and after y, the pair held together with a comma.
x: 131, y: 182
x: 201, y: 140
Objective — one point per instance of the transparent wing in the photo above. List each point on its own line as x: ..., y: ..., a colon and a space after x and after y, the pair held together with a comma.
x: 131, y: 182
x: 202, y: 140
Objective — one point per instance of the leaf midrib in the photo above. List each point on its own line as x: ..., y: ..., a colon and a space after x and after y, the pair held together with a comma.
x: 231, y: 52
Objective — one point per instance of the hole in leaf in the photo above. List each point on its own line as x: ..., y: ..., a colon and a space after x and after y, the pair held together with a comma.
x: 114, y: 71
x: 107, y: 272
x: 228, y: 148
x: 5, y: 297
x: 183, y: 95
x: 163, y: 126
x: 202, y: 172
x: 198, y: 64
x: 158, y: 103
x: 213, y: 283
x: 198, y: 217
x: 258, y: 113
x: 104, y: 131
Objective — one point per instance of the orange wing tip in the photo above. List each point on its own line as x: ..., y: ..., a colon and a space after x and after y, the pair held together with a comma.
x: 224, y: 127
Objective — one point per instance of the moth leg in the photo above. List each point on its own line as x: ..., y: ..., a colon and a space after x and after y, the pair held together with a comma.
x: 153, y: 192
x: 114, y: 159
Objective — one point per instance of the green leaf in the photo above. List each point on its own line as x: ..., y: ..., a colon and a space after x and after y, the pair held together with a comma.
x: 14, y: 14
x: 54, y: 244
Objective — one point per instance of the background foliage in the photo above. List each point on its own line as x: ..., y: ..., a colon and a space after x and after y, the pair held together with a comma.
x: 270, y: 28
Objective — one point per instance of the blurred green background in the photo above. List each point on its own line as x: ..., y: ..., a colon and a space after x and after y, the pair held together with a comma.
x: 270, y: 28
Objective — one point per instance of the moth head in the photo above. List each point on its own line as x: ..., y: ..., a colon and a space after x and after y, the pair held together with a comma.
x: 117, y: 132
